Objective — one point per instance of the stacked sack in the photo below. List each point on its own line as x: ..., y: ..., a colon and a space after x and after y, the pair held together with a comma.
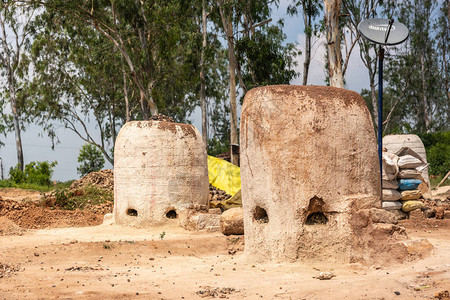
x: 402, y: 175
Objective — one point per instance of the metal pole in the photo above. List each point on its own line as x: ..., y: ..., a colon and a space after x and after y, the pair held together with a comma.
x: 380, y: 112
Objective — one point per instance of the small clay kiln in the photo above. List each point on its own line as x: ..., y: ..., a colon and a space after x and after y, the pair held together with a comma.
x: 160, y: 172
x: 310, y: 175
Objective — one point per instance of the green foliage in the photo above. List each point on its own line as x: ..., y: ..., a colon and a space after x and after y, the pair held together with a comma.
x: 39, y: 173
x: 33, y: 186
x: 416, y: 72
x: 264, y: 59
x: 91, y: 160
x: 437, y: 146
x: 216, y: 146
x: 77, y: 199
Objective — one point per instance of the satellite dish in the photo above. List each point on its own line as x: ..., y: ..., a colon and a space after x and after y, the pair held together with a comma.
x: 383, y: 31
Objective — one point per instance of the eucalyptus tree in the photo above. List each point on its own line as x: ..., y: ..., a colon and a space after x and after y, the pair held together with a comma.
x: 416, y: 65
x: 310, y: 9
x: 256, y: 52
x: 332, y: 11
x: 356, y: 12
x: 77, y: 80
x: 154, y: 39
x: 15, y: 29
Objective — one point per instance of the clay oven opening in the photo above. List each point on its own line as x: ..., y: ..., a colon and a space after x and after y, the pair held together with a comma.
x: 171, y: 214
x: 132, y: 212
x: 315, y: 212
x: 260, y: 215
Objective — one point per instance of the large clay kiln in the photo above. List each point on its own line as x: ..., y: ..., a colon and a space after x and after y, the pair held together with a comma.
x: 160, y: 172
x: 310, y: 175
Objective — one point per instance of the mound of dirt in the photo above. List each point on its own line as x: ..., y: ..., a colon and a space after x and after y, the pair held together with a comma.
x: 103, y: 179
x: 31, y: 216
x: 8, y: 227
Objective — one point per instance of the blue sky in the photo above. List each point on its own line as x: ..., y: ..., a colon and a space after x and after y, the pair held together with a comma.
x: 37, y: 147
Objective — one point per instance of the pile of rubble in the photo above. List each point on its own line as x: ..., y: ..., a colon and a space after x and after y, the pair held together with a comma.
x: 161, y: 117
x: 6, y: 270
x: 103, y: 179
x: 216, y: 194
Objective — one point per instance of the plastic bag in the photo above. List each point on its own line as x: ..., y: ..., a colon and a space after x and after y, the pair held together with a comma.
x: 391, y: 205
x: 410, y: 174
x: 224, y: 175
x: 410, y: 205
x: 411, y: 195
x: 390, y: 167
x: 390, y: 184
x: 408, y: 184
x: 391, y: 195
x: 409, y: 159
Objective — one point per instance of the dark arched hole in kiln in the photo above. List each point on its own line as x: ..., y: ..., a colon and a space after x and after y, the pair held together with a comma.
x: 171, y: 214
x: 317, y: 218
x: 260, y: 215
x: 315, y: 212
x: 132, y: 212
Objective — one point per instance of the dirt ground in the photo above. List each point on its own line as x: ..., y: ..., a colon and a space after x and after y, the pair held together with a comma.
x: 111, y: 262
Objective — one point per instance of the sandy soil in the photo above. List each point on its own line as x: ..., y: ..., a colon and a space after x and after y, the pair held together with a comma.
x: 112, y: 262
x: 108, y: 261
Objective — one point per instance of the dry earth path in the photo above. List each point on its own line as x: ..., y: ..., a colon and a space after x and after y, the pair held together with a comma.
x: 114, y: 262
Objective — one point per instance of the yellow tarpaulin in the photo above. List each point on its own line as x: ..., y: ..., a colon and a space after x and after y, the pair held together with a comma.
x: 224, y: 175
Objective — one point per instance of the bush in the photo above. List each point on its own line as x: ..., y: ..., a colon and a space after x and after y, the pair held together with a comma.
x: 39, y: 173
x: 437, y: 146
x: 91, y: 160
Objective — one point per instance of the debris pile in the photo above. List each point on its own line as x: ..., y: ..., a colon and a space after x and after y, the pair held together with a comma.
x: 216, y: 194
x: 8, y: 227
x: 6, y: 270
x: 161, y: 117
x: 103, y: 179
x: 208, y: 291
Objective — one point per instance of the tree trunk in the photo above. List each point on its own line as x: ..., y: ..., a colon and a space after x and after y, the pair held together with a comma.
x: 233, y: 109
x: 12, y: 100
x: 127, y: 101
x: 307, y: 21
x: 426, y: 110
x: 332, y: 9
x: 202, y: 79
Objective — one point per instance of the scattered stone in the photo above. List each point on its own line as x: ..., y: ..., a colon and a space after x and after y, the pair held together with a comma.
x: 442, y: 295
x: 325, y: 275
x: 440, y: 212
x: 108, y: 219
x: 418, y: 247
x: 208, y: 291
x: 416, y: 214
x: 399, y: 214
x: 447, y: 214
x: 397, y: 293
x: 232, y: 221
x: 7, y: 270
x: 383, y: 216
x: 429, y: 212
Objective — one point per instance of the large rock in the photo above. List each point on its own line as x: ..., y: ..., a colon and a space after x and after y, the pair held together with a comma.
x: 232, y: 221
x: 160, y: 173
x: 309, y: 164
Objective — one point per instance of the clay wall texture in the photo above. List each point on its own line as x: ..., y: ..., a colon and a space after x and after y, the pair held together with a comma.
x: 308, y: 156
x: 158, y: 167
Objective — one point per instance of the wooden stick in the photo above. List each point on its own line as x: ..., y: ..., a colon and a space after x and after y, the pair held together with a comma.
x: 442, y: 181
